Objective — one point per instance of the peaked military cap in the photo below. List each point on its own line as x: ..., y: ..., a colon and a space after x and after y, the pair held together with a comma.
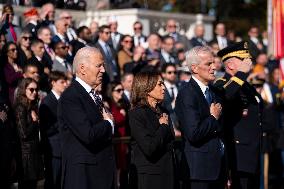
x: 239, y: 50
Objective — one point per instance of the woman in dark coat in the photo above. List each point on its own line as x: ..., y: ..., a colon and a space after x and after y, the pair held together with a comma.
x: 27, y: 123
x: 152, y: 135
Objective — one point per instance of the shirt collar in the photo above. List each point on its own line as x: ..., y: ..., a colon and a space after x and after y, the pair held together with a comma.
x: 57, y: 96
x: 200, y: 84
x: 59, y: 59
x: 168, y: 85
x: 87, y: 87
x: 102, y: 43
x: 82, y: 41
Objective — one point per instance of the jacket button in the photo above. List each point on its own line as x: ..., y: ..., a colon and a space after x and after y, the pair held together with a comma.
x: 237, y: 141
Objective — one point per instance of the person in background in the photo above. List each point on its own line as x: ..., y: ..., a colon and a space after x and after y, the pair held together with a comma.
x: 84, y: 38
x: 152, y: 135
x: 32, y: 21
x: 127, y: 81
x: 118, y: 108
x: 44, y: 34
x: 220, y: 36
x: 12, y: 71
x: 27, y: 123
x: 94, y: 27
x: 24, y: 48
x: 115, y: 36
x: 71, y: 34
x: 7, y: 27
x: 50, y: 130
x: 47, y: 15
x: 171, y: 29
x: 198, y: 39
x: 60, y: 63
x: 138, y: 38
x: 167, y: 51
x: 125, y: 53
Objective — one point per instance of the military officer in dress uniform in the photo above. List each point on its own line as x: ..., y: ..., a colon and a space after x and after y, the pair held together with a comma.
x: 241, y: 117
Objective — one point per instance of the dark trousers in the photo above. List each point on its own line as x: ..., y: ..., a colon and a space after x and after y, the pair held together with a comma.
x: 53, y: 173
x: 242, y: 180
x: 30, y: 184
x: 207, y: 184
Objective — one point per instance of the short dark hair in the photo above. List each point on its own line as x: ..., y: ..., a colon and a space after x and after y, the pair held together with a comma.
x: 56, y: 75
x: 103, y: 27
x: 29, y: 64
x: 165, y: 66
x: 36, y: 41
x: 81, y: 29
x: 164, y: 38
x: 143, y: 83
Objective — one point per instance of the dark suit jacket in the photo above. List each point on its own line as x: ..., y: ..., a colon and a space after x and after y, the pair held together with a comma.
x: 49, y: 126
x: 151, y: 148
x: 86, y: 141
x: 108, y: 64
x: 76, y: 46
x: 242, y: 131
x: 200, y: 130
x: 198, y: 42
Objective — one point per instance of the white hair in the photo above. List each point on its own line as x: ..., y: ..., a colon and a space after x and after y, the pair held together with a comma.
x: 83, y: 56
x: 193, y: 55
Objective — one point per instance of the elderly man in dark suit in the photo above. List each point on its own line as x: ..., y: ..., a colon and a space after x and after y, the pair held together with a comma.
x: 85, y: 127
x: 50, y: 131
x: 199, y: 113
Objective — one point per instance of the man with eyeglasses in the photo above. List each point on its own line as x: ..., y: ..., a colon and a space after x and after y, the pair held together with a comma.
x: 171, y: 29
x: 109, y: 55
x: 71, y: 33
x: 169, y: 74
x: 60, y: 63
x: 138, y: 38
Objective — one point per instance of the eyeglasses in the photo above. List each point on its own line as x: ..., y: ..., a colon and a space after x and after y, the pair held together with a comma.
x: 13, y: 50
x: 67, y: 17
x: 27, y: 38
x: 127, y: 41
x: 118, y: 90
x: 138, y: 28
x: 172, y: 72
x: 32, y: 90
x: 172, y: 26
x: 106, y: 32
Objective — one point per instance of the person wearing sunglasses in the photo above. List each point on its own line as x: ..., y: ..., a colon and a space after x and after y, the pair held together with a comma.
x: 60, y: 63
x: 12, y: 71
x: 125, y: 53
x: 27, y: 124
x: 138, y: 38
x: 118, y: 108
x: 24, y: 44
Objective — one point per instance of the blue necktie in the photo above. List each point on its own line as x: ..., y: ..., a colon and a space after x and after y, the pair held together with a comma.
x: 208, y: 96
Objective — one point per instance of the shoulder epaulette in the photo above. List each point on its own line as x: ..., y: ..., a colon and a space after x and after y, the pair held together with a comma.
x: 220, y: 79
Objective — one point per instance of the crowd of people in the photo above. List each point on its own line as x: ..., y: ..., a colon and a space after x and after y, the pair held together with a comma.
x: 67, y: 92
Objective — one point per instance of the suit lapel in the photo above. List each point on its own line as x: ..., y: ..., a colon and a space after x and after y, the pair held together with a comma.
x: 200, y: 95
x: 87, y: 98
